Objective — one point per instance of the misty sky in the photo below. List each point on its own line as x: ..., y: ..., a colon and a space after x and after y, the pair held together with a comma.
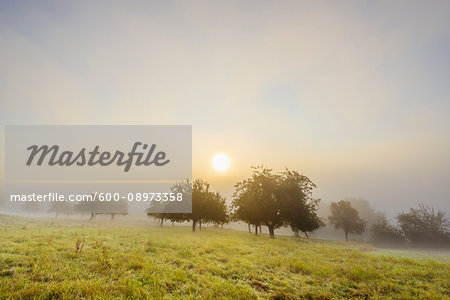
x: 354, y: 94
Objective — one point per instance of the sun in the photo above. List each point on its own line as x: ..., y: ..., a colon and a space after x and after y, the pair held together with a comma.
x: 221, y: 162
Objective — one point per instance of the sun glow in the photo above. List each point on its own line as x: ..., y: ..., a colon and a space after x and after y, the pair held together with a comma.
x: 221, y: 162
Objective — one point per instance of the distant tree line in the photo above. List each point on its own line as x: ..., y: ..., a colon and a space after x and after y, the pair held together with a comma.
x: 419, y: 227
x: 92, y: 207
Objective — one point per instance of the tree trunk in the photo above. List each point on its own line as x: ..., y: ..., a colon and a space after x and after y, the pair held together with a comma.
x: 346, y: 236
x: 249, y: 229
x: 112, y: 217
x: 200, y: 224
x: 194, y: 222
x: 173, y: 223
x: 306, y: 234
x: 260, y: 229
x: 256, y: 229
x: 161, y: 223
x: 271, y: 231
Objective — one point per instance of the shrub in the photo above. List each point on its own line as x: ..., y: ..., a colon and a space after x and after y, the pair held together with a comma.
x: 384, y: 234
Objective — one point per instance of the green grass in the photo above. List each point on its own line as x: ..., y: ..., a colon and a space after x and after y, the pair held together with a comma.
x: 38, y: 259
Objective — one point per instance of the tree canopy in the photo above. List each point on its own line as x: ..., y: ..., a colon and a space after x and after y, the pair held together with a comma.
x: 276, y: 200
x: 207, y: 206
x: 384, y: 234
x: 425, y: 226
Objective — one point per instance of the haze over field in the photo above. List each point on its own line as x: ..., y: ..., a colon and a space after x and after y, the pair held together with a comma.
x: 356, y: 95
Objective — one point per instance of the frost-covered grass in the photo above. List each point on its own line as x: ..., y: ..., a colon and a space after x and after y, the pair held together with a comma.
x: 39, y: 259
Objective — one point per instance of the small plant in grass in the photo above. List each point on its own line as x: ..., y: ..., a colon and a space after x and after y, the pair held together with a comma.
x: 79, y: 244
x: 150, y: 247
x: 103, y: 257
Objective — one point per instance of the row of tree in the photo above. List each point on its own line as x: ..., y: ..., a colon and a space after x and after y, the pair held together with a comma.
x: 265, y: 199
x: 285, y: 199
x: 280, y: 200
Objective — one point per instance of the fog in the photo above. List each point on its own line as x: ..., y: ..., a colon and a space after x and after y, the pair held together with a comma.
x: 354, y: 95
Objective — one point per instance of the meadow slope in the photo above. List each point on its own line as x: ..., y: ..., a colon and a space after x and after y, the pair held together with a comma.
x: 39, y: 258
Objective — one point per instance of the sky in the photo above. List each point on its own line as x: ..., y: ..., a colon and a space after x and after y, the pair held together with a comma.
x: 353, y: 94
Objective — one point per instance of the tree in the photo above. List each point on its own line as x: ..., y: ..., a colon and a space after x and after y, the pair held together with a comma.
x: 299, y: 208
x: 217, y: 210
x: 244, y: 210
x: 385, y: 234
x: 99, y: 206
x: 207, y: 206
x: 366, y: 212
x: 276, y: 200
x: 344, y: 216
x: 200, y: 194
x: 425, y: 227
x: 164, y: 210
x: 160, y: 216
x: 305, y: 218
x: 256, y: 202
x: 177, y: 217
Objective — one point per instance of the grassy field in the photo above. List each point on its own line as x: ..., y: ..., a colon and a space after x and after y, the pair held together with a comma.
x: 47, y: 259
